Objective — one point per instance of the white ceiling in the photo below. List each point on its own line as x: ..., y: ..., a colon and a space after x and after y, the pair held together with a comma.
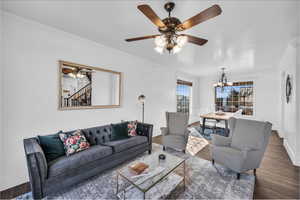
x: 248, y: 35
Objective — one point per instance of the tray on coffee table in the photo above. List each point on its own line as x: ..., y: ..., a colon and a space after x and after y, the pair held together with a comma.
x: 158, y: 180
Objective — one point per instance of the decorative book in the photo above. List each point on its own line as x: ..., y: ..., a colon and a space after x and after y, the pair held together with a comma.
x: 139, y: 167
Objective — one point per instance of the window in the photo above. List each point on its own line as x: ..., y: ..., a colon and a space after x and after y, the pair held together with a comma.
x: 183, y: 93
x: 235, y: 97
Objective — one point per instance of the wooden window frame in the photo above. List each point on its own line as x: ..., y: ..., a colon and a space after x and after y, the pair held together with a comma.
x: 241, y: 83
x: 182, y: 82
x: 186, y: 83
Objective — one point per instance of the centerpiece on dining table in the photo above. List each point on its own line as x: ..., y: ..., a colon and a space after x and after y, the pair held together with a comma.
x: 220, y: 112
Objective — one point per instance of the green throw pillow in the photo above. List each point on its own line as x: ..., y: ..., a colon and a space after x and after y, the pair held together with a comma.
x: 119, y: 131
x: 52, y: 146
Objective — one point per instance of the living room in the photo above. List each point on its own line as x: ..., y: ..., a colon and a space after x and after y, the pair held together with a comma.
x: 242, y: 47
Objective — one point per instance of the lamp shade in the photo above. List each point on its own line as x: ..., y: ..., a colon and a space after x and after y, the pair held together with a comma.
x: 142, y: 98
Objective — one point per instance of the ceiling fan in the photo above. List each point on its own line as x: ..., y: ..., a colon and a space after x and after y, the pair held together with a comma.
x: 169, y: 27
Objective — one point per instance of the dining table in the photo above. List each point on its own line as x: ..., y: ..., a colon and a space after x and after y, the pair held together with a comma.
x: 223, y: 116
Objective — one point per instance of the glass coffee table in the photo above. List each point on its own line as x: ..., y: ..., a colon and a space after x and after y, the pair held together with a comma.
x: 157, y: 181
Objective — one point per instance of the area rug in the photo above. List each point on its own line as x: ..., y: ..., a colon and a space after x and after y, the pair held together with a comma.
x: 196, y: 142
x: 203, y: 181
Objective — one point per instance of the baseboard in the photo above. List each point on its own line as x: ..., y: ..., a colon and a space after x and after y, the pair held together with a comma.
x: 15, y: 191
x: 280, y: 133
x: 291, y: 153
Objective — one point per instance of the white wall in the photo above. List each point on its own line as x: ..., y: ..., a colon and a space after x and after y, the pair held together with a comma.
x: 298, y: 88
x: 298, y: 98
x: 1, y: 93
x: 266, y: 94
x: 31, y: 57
x: 288, y: 115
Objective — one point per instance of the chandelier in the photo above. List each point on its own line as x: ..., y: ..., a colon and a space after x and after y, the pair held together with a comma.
x: 173, y: 43
x: 223, y: 81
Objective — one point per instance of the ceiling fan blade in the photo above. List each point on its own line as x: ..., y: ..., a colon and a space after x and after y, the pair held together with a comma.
x: 195, y: 40
x: 141, y: 38
x: 206, y: 14
x: 147, y: 10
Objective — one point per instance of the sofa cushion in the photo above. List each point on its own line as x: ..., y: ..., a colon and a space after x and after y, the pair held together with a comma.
x: 119, y: 131
x: 228, y: 156
x: 64, y: 164
x: 98, y: 135
x: 174, y: 141
x: 52, y: 146
x: 121, y: 145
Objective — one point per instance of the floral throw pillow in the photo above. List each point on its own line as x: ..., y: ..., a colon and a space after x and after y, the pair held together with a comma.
x: 74, y: 142
x: 131, y: 127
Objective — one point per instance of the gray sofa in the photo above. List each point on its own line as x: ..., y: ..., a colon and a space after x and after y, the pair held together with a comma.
x: 46, y: 178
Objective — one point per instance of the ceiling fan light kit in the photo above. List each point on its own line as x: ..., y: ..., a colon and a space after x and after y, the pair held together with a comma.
x: 173, y: 44
x: 169, y: 39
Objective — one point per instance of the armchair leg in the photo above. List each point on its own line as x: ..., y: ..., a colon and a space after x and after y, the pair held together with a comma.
x: 183, y: 150
x: 213, y: 161
x: 254, y: 172
x: 149, y: 151
x: 238, y: 176
x: 164, y: 148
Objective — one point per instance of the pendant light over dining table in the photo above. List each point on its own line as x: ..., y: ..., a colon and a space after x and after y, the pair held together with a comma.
x: 223, y: 81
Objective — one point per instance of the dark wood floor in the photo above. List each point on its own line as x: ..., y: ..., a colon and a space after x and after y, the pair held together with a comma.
x: 276, y: 178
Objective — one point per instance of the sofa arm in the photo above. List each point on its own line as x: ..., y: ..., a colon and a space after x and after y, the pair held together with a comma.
x: 220, y: 140
x: 145, y: 130
x: 37, y: 166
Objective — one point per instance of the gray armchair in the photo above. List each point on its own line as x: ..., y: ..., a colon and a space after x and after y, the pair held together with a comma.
x: 175, y: 135
x: 243, y: 150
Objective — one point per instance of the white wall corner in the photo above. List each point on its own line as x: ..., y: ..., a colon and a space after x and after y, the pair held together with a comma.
x: 1, y: 96
x: 193, y: 118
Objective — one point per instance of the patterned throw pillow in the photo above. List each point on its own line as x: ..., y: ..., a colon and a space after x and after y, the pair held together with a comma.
x: 74, y: 142
x: 131, y: 127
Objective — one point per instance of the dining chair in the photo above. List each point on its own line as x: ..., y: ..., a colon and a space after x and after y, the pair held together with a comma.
x: 209, y: 123
x: 237, y: 114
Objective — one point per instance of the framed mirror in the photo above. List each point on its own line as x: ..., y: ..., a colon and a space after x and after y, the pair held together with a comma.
x: 86, y: 87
